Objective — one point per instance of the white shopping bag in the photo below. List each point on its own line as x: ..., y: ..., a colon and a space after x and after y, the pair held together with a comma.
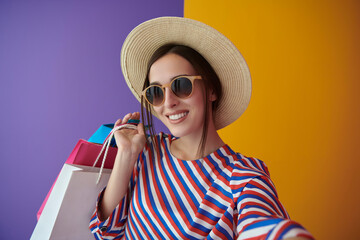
x: 71, y: 204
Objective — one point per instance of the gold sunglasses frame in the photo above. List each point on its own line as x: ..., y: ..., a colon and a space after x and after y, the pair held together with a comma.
x: 168, y: 85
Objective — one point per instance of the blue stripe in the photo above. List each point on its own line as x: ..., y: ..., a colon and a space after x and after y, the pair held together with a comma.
x: 195, y: 177
x: 244, y: 196
x: 257, y: 207
x: 129, y: 233
x: 274, y: 198
x: 215, y: 164
x: 205, y: 172
x: 215, y: 202
x: 223, y: 231
x: 225, y: 158
x: 290, y: 227
x: 263, y: 223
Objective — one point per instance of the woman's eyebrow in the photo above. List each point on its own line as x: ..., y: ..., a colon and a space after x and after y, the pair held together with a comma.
x: 157, y: 83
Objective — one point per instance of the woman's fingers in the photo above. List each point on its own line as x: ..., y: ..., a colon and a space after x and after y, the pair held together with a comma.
x: 135, y: 115
x: 127, y: 117
x: 118, y: 122
x: 140, y: 129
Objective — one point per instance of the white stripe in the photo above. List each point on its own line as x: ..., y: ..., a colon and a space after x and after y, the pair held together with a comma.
x: 254, y: 210
x: 209, y: 170
x: 294, y: 232
x: 255, y: 232
x: 225, y: 226
x: 265, y: 185
x: 275, y: 231
x: 202, y: 182
x: 240, y: 227
x: 268, y: 198
x: 250, y: 199
x: 219, y: 199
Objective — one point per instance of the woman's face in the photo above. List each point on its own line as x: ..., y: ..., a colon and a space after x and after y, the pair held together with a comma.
x: 181, y: 116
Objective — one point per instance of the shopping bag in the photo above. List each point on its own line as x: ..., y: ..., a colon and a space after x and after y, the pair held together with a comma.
x: 85, y: 153
x: 101, y: 134
x: 71, y: 204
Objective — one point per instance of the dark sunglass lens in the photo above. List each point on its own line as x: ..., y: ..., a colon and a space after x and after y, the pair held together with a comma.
x: 154, y: 95
x: 181, y: 87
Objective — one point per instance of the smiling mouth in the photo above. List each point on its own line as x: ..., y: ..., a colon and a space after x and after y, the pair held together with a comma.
x: 177, y: 116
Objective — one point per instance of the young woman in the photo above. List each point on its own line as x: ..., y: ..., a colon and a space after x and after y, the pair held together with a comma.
x: 190, y: 184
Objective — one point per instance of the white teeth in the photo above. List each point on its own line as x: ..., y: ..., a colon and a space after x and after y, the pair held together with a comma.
x: 178, y: 116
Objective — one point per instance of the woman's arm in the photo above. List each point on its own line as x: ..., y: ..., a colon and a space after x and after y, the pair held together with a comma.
x: 261, y: 214
x: 130, y: 143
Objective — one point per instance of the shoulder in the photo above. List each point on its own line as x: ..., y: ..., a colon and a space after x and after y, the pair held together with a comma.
x: 245, y: 170
x: 250, y: 166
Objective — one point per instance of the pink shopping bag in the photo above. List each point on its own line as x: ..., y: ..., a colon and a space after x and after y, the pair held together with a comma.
x: 85, y: 154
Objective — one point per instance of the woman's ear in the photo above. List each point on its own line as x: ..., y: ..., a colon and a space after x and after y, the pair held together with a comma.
x: 212, y: 96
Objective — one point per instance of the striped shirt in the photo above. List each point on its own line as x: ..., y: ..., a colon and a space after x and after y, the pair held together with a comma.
x: 222, y: 196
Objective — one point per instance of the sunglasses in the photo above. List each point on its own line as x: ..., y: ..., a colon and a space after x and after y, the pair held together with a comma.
x: 181, y: 86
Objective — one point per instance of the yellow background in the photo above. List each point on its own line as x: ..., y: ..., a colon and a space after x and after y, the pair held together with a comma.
x: 303, y: 119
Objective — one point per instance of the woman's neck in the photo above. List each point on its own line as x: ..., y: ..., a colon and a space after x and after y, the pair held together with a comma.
x: 187, y: 147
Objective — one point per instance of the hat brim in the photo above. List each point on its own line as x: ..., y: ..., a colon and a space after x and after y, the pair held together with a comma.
x: 218, y: 50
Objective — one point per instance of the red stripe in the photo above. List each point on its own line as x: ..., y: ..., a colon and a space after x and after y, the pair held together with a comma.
x: 259, y: 237
x: 267, y: 200
x: 245, y: 163
x: 257, y: 213
x: 236, y: 173
x: 248, y: 203
x: 251, y: 223
x: 282, y: 228
x: 278, y: 206
x: 256, y: 162
x: 306, y: 235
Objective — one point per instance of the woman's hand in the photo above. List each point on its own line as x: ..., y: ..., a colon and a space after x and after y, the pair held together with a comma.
x: 129, y: 139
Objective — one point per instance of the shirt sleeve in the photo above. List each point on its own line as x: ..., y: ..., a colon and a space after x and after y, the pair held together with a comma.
x: 261, y: 214
x: 113, y: 227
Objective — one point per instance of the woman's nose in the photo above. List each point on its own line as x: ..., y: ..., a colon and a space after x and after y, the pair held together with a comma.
x: 170, y: 99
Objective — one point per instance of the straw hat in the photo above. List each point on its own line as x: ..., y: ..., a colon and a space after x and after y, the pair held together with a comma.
x: 219, y: 51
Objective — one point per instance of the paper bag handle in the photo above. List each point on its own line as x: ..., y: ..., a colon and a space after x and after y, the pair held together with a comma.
x: 107, y: 143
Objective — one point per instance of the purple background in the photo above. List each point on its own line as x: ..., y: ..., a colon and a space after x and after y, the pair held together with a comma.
x: 60, y: 80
